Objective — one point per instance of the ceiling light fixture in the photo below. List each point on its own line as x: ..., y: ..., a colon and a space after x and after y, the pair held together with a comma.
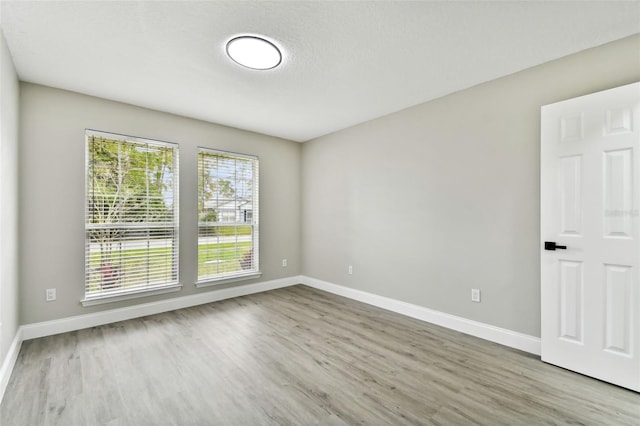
x: 254, y: 52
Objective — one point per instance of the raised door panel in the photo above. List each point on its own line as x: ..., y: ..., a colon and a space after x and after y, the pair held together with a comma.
x: 571, y: 285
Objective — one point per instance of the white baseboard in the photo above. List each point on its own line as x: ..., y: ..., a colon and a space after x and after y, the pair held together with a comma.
x: 48, y: 328
x: 10, y: 361
x: 523, y: 342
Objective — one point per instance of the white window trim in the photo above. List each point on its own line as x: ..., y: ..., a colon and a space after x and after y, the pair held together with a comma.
x: 236, y: 276
x: 114, y: 297
x: 170, y: 287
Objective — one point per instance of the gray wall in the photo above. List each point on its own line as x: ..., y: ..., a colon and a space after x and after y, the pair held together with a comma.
x: 425, y: 204
x: 52, y: 194
x: 432, y: 201
x: 9, y: 96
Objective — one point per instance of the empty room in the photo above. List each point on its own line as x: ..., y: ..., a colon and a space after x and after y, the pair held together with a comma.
x: 319, y: 212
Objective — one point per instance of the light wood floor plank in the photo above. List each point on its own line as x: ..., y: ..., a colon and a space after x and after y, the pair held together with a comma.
x: 295, y: 356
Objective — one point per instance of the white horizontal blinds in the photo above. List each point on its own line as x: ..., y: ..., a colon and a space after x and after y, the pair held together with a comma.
x: 131, y: 214
x: 227, y: 215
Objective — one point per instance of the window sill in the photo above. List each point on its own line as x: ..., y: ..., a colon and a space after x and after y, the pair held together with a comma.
x: 116, y: 297
x: 225, y: 280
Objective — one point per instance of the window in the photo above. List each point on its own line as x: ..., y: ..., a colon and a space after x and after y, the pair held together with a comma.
x: 227, y: 216
x: 131, y: 227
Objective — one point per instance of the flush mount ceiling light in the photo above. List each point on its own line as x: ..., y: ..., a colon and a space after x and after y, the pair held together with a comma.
x: 254, y: 52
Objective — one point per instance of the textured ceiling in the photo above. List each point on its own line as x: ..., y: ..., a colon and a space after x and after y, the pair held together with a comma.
x: 344, y: 62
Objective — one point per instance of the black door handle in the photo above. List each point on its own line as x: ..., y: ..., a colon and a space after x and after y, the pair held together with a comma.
x: 551, y: 245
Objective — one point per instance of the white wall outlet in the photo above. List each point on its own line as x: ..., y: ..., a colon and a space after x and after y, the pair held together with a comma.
x: 475, y: 295
x: 51, y: 294
x: 350, y: 270
x: 284, y: 263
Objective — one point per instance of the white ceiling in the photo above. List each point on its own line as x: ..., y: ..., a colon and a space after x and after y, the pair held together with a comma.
x: 345, y: 62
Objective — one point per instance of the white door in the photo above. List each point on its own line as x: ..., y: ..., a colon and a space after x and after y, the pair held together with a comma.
x: 590, y: 194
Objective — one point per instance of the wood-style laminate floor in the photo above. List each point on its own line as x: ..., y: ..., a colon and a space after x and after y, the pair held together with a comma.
x: 295, y: 356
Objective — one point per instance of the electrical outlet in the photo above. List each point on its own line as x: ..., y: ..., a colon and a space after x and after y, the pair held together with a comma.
x: 475, y: 295
x: 284, y: 263
x: 51, y: 294
x: 350, y: 270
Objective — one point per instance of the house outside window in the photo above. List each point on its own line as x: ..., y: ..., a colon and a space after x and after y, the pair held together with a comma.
x: 131, y: 226
x: 228, y: 236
